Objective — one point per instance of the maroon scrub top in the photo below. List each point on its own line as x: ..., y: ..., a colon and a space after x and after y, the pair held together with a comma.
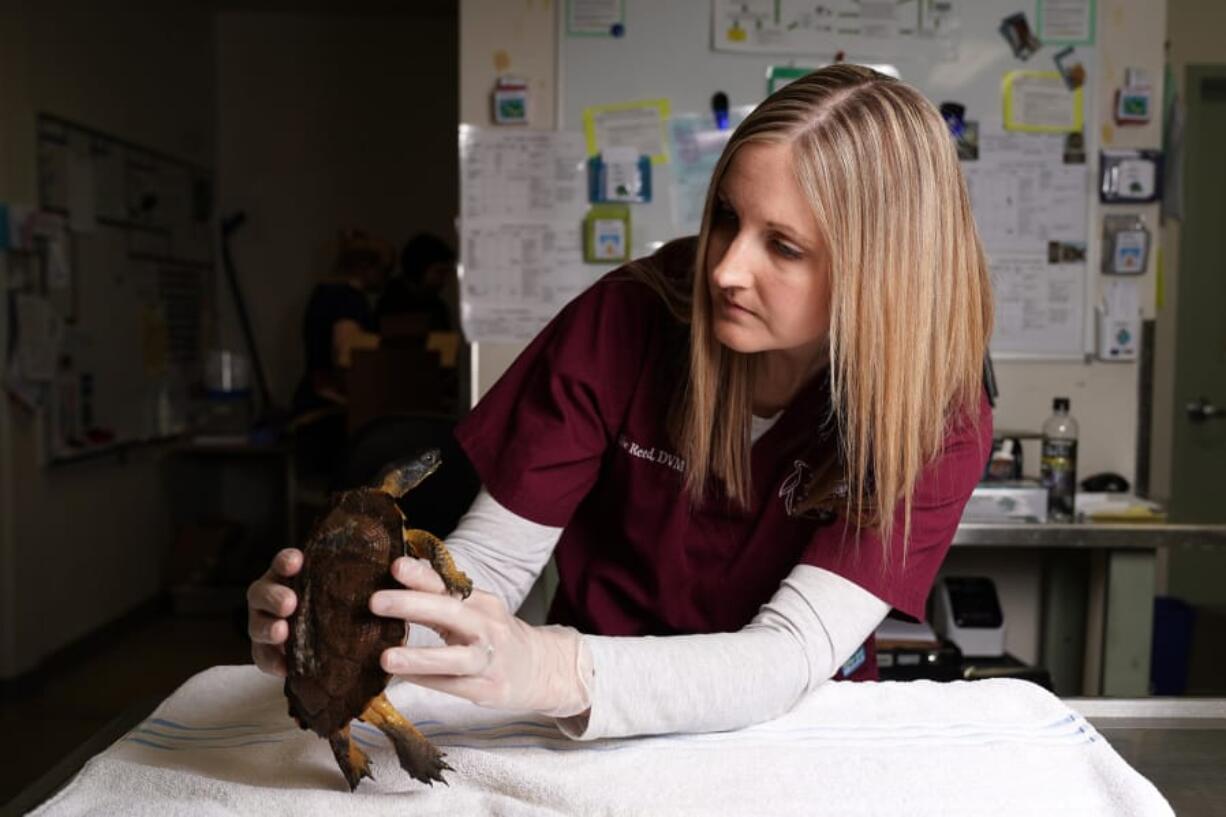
x: 574, y: 435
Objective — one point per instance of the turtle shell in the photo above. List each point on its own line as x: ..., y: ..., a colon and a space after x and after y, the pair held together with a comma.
x: 332, y: 653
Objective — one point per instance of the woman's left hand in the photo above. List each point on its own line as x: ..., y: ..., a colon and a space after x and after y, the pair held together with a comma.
x: 491, y: 657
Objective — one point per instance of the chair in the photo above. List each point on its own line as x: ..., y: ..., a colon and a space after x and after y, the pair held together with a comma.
x: 393, y: 381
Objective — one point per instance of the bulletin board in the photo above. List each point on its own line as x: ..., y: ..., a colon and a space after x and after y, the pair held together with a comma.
x: 122, y: 268
x: 1030, y: 191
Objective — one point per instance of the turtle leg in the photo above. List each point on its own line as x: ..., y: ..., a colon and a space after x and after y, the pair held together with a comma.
x: 417, y: 755
x: 425, y: 545
x: 349, y: 756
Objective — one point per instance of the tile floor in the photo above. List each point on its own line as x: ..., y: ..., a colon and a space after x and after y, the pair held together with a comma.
x: 145, y: 663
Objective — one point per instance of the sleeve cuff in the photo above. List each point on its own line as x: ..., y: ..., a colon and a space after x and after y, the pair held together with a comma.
x: 577, y: 727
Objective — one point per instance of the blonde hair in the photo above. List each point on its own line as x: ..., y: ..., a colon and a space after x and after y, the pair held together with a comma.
x: 357, y: 250
x: 911, y: 304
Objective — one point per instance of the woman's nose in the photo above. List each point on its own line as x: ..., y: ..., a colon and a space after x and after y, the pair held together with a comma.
x: 734, y: 269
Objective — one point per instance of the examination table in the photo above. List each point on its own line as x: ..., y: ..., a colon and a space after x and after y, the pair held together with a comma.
x: 224, y: 744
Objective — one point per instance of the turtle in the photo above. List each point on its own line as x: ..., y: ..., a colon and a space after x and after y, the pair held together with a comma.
x: 332, y: 653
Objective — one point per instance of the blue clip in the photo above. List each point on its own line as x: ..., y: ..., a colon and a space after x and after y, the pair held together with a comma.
x: 634, y: 190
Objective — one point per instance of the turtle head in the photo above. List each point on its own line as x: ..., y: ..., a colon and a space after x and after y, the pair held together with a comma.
x: 401, y: 477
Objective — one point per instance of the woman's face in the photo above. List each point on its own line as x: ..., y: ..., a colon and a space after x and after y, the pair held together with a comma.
x: 769, y: 275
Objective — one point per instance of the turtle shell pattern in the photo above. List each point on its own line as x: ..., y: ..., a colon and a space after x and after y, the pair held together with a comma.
x: 332, y: 653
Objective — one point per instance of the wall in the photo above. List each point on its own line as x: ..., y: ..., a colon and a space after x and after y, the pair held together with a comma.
x: 505, y: 38
x: 508, y: 38
x: 327, y: 121
x: 83, y: 544
x: 1104, y: 396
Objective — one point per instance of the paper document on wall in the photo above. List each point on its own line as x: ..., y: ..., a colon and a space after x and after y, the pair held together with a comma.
x: 869, y: 28
x: 39, y: 333
x: 1031, y: 210
x: 1039, y: 307
x: 1122, y: 298
x: 53, y: 158
x: 1023, y: 195
x: 1040, y: 102
x: 82, y: 199
x: 638, y: 125
x: 58, y: 267
x: 594, y: 17
x: 522, y: 201
x: 1066, y: 22
x: 110, y: 170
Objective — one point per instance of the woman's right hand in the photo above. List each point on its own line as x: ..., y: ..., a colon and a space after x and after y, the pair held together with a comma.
x: 269, y: 603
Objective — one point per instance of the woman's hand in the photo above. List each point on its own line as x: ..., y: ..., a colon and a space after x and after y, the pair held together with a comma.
x: 269, y: 603
x: 491, y: 657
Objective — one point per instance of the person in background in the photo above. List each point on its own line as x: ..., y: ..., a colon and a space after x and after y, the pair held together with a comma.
x: 339, y: 319
x: 742, y: 451
x: 337, y: 322
x: 426, y: 266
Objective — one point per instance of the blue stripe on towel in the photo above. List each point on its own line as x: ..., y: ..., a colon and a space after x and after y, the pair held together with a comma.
x: 172, y: 724
x: 870, y: 727
x: 141, y: 730
x: 217, y: 741
x: 145, y: 742
x: 1070, y: 729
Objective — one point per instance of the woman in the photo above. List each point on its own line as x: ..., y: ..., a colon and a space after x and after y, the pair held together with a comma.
x: 338, y: 321
x: 338, y: 318
x: 750, y: 446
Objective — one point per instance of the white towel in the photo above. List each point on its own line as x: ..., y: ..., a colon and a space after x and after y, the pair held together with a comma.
x: 224, y: 744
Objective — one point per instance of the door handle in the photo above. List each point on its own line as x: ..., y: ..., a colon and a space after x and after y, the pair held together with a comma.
x: 1201, y: 410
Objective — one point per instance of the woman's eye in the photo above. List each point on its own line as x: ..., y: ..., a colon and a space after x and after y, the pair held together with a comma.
x: 785, y: 249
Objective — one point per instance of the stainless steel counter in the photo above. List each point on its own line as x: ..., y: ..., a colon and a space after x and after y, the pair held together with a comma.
x: 1114, y: 604
x: 1113, y: 536
x: 1179, y: 744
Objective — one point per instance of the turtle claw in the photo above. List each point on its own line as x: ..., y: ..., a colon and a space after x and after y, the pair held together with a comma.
x: 458, y: 585
x: 353, y: 776
x: 349, y: 756
x: 426, y: 765
x: 418, y: 756
x: 425, y: 545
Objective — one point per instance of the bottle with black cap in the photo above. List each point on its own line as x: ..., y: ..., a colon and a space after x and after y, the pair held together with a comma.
x: 1059, y: 461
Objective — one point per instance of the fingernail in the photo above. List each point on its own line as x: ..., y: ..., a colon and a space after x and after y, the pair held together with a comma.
x: 378, y: 603
x: 392, y: 662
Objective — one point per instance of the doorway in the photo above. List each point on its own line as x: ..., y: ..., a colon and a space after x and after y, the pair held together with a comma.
x: 1198, y: 414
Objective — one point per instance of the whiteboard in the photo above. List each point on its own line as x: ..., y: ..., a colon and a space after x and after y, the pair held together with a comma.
x: 666, y: 51
x: 137, y: 251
